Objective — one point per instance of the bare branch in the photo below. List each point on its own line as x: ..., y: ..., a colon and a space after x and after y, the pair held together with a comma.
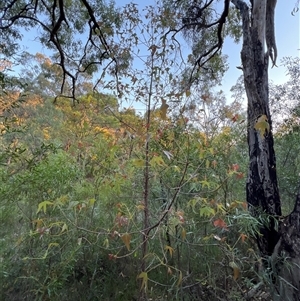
x: 215, y: 48
x: 56, y: 11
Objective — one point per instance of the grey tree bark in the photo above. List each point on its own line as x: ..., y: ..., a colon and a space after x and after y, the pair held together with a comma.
x: 279, y: 239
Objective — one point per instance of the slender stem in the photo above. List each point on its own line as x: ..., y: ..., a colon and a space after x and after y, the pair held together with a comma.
x: 147, y: 170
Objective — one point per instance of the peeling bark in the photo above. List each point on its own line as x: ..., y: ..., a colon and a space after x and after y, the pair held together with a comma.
x: 262, y: 186
x: 279, y: 239
x: 270, y: 31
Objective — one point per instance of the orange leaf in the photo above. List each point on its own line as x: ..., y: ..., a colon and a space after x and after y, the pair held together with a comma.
x: 214, y: 163
x: 236, y: 270
x: 235, y: 117
x: 220, y: 224
x: 112, y: 256
x: 235, y: 167
x: 121, y: 220
x: 240, y: 175
x: 180, y: 216
x: 243, y: 237
x: 245, y: 205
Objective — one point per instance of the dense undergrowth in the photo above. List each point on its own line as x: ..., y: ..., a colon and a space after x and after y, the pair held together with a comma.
x: 72, y: 209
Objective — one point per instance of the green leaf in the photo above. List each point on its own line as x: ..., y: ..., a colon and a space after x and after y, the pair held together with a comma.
x: 138, y: 162
x: 205, y: 183
x: 43, y: 206
x: 207, y: 211
x: 202, y: 153
x: 73, y: 204
x: 157, y: 160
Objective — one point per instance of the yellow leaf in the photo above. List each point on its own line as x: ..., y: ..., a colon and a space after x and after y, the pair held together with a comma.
x: 126, y: 238
x: 144, y: 277
x: 205, y: 183
x: 53, y: 244
x: 262, y: 125
x: 236, y: 273
x: 220, y: 207
x: 138, y: 162
x: 243, y: 237
x: 183, y: 234
x: 187, y: 93
x: 140, y: 207
x: 163, y: 109
x: 43, y: 206
x: 180, y: 278
x: 92, y: 202
x: 176, y: 168
x: 207, y: 163
x: 38, y: 222
x: 170, y: 250
x: 106, y: 243
x: 46, y: 133
x: 64, y: 228
x: 236, y: 270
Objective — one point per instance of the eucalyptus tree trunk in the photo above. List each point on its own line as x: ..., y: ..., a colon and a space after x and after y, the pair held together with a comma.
x: 279, y: 238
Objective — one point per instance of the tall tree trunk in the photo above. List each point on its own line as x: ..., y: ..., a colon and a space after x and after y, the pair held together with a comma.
x: 279, y: 238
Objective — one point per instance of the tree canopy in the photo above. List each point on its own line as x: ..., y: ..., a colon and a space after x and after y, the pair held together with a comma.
x: 127, y: 174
